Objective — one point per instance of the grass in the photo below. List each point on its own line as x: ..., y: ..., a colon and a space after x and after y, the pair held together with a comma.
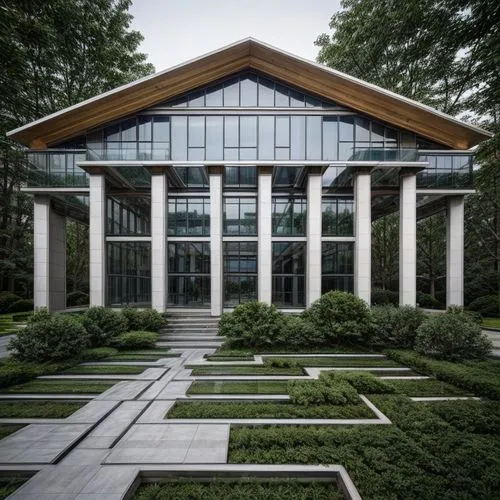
x: 340, y: 362
x: 491, y: 322
x: 10, y: 484
x: 244, y: 490
x: 253, y: 409
x: 258, y: 387
x: 9, y: 324
x: 142, y: 355
x: 61, y: 386
x: 426, y: 388
x: 224, y: 351
x: 8, y: 429
x: 244, y: 370
x: 105, y: 370
x: 38, y: 409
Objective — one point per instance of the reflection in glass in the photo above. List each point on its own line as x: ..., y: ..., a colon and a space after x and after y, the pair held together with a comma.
x: 337, y: 216
x: 240, y: 272
x: 189, y: 216
x: 337, y: 266
x: 289, y: 216
x: 288, y: 278
x: 240, y: 216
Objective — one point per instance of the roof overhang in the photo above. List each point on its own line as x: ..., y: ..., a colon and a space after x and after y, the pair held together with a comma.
x: 249, y: 54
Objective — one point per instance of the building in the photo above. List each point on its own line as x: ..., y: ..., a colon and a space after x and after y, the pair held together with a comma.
x: 247, y: 173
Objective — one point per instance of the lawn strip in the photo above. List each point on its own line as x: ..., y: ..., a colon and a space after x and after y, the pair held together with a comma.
x: 232, y: 409
x: 61, y: 386
x: 229, y: 490
x: 426, y: 388
x: 243, y: 370
x: 10, y: 484
x: 257, y: 387
x: 337, y: 362
x: 491, y: 322
x: 38, y: 409
x: 105, y: 370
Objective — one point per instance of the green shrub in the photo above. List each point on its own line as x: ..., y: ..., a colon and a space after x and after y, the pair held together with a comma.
x: 77, y: 298
x: 452, y: 337
x: 6, y: 299
x: 473, y: 316
x: 395, y: 326
x: 479, y: 382
x: 280, y: 363
x: 340, y: 316
x: 322, y: 391
x: 13, y: 372
x: 151, y: 320
x: 102, y: 325
x: 253, y: 324
x: 363, y: 382
x: 21, y: 305
x: 98, y: 353
x: 486, y: 306
x: 135, y: 340
x: 59, y: 338
x: 298, y: 332
x: 381, y: 297
x: 428, y: 301
x: 133, y: 316
x: 42, y: 314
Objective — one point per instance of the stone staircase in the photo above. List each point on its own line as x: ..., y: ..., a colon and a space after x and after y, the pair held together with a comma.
x: 191, y: 331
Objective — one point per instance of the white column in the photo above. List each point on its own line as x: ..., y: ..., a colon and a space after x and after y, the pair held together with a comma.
x: 264, y: 210
x: 408, y: 239
x: 159, y: 241
x: 455, y: 251
x: 49, y: 243
x: 216, y: 269
x: 363, y: 233
x: 97, y: 239
x: 313, y: 272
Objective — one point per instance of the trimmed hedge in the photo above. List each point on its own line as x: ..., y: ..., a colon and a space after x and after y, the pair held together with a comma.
x: 6, y: 299
x: 147, y: 319
x: 135, y: 340
x: 323, y: 391
x: 481, y: 383
x: 103, y: 324
x: 486, y: 306
x: 21, y: 305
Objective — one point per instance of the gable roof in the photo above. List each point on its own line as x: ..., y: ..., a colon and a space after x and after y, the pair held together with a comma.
x: 249, y: 54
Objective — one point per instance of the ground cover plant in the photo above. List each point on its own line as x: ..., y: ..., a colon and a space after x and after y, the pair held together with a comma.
x: 491, y: 323
x: 421, y: 455
x: 244, y: 387
x: 363, y: 382
x: 10, y: 484
x: 244, y: 370
x: 478, y: 380
x: 105, y: 370
x: 61, y: 386
x: 426, y: 388
x: 321, y: 392
x: 230, y: 490
x: 138, y: 339
x: 338, y: 362
x: 255, y: 409
x: 38, y: 409
x: 8, y: 429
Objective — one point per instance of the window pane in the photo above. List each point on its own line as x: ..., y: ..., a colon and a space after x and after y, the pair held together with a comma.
x: 346, y: 150
x: 144, y: 128
x: 248, y: 131
x: 215, y: 134
x: 248, y: 154
x: 129, y: 130
x: 231, y: 131
x: 346, y: 128
x: 377, y: 132
x: 282, y: 131
x: 266, y: 92
x: 214, y: 96
x: 296, y: 99
x: 330, y: 138
x: 112, y: 133
x: 313, y: 148
x: 231, y: 154
x: 196, y: 131
x: 161, y: 129
x: 232, y: 93
x: 362, y: 129
x: 266, y: 138
x: 197, y: 99
x: 298, y: 138
x: 179, y: 137
x: 248, y: 88
x: 281, y: 96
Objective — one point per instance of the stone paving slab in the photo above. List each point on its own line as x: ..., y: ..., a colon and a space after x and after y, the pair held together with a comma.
x: 155, y: 413
x: 172, y: 443
x: 40, y: 443
x: 106, y: 433
x: 92, y: 412
x: 124, y: 391
x: 174, y: 389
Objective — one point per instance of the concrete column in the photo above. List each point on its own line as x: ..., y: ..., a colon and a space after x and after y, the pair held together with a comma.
x: 216, y: 268
x: 97, y: 239
x: 408, y: 239
x: 49, y: 242
x: 363, y: 233
x: 264, y: 211
x: 159, y: 205
x: 313, y: 272
x: 455, y: 251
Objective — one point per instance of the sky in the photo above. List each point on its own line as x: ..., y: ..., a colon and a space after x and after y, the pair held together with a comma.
x: 178, y: 30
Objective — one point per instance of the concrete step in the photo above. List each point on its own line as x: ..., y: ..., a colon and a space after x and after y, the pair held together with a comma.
x: 189, y: 345
x: 213, y: 324
x: 195, y: 331
x: 193, y: 338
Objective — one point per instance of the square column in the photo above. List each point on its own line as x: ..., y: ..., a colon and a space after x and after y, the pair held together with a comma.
x: 313, y: 273
x: 408, y: 239
x: 159, y: 282
x: 216, y: 268
x: 264, y: 212
x: 97, y: 239
x: 49, y: 242
x: 363, y: 233
x: 455, y: 251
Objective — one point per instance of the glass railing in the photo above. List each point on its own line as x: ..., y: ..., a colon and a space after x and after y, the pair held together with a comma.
x: 446, y: 171
x: 134, y: 152
x: 56, y: 168
x: 384, y: 154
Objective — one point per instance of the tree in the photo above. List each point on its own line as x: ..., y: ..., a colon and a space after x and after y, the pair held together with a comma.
x: 385, y: 252
x: 53, y: 54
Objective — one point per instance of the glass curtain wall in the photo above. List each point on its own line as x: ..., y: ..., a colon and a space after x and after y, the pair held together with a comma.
x: 129, y: 273
x: 189, y: 274
x: 338, y: 216
x: 128, y: 215
x: 240, y: 216
x: 240, y: 272
x: 337, y: 266
x: 288, y: 280
x: 188, y: 216
x: 289, y: 216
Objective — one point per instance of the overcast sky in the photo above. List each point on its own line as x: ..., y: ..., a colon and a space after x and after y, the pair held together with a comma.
x: 178, y: 30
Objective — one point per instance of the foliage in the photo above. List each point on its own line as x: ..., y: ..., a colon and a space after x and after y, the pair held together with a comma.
x: 21, y: 305
x: 103, y: 324
x: 363, y: 382
x: 427, y: 300
x: 61, y: 386
x: 426, y: 388
x: 281, y: 362
x: 243, y: 370
x: 41, y: 315
x: 340, y: 316
x: 473, y: 316
x: 256, y: 409
x: 6, y: 299
x: 297, y: 332
x: 228, y: 490
x: 77, y: 298
x: 478, y: 381
x: 59, y: 338
x: 385, y: 251
x: 16, y: 372
x: 244, y: 387
x: 323, y: 391
x: 135, y: 340
x: 452, y: 337
x: 487, y: 305
x: 381, y: 297
x: 150, y: 320
x: 42, y: 409
x: 395, y: 326
x: 253, y: 324
x: 97, y: 353
x: 103, y: 369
